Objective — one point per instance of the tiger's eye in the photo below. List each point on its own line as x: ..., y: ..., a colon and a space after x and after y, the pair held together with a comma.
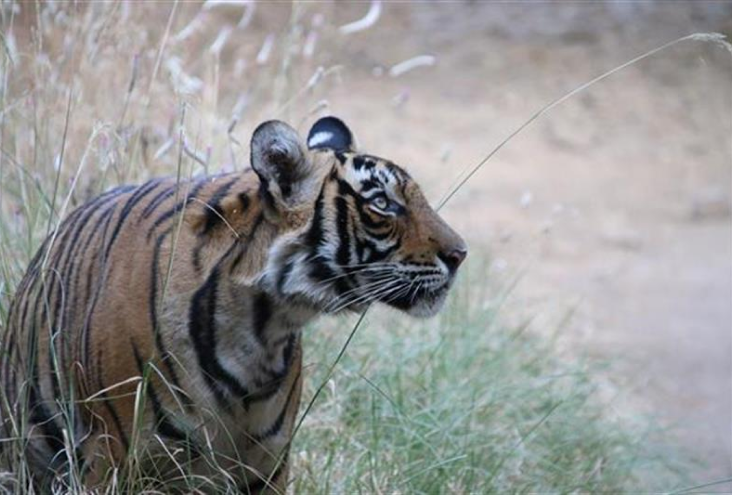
x: 380, y: 202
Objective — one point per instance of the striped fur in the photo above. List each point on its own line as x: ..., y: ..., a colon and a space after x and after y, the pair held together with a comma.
x: 203, y: 287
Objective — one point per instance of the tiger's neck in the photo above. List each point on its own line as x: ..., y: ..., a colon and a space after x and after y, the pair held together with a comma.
x: 257, y: 332
x: 244, y: 337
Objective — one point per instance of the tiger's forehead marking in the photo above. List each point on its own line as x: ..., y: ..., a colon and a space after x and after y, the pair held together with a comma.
x: 372, y: 172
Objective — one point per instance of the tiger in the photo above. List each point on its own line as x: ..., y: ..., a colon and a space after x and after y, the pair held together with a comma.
x: 159, y: 326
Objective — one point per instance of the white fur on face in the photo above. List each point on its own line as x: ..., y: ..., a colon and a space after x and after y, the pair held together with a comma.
x: 427, y: 308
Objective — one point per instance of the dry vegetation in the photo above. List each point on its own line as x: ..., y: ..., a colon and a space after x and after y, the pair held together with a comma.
x: 102, y: 93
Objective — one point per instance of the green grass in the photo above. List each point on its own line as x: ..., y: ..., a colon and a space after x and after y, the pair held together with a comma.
x: 462, y: 404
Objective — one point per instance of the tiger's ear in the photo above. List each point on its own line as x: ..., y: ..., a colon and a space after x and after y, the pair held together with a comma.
x: 280, y: 160
x: 332, y: 133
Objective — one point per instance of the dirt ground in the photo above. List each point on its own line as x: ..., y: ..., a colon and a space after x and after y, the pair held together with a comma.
x: 614, y: 207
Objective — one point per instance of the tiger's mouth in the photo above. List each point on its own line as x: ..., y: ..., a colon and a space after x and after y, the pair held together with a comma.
x: 416, y: 296
x: 422, y: 302
x: 417, y: 290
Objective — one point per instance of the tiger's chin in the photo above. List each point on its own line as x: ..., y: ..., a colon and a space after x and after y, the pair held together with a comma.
x: 424, y: 304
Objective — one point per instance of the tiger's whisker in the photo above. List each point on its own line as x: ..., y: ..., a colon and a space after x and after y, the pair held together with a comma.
x: 361, y: 270
x: 361, y: 298
x: 342, y: 302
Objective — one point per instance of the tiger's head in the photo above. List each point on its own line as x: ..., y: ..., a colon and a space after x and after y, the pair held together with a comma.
x: 357, y: 228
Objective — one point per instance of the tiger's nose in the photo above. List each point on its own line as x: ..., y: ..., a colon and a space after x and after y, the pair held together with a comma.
x: 453, y: 259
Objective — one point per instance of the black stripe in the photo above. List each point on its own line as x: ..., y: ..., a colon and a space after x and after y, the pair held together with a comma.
x: 245, y: 201
x: 202, y: 329
x: 169, y: 365
x: 31, y: 331
x: 40, y: 416
x: 101, y: 226
x: 45, y: 300
x: 244, y: 243
x: 116, y: 191
x: 177, y: 208
x: 342, y: 158
x: 80, y: 253
x: 264, y: 392
x: 57, y: 319
x: 287, y: 353
x: 276, y: 426
x: 8, y: 344
x: 378, y: 236
x: 343, y: 254
x: 115, y: 418
x: 401, y: 175
x: 361, y: 247
x: 272, y: 386
x: 315, y: 233
x: 129, y: 205
x: 213, y: 219
x: 265, y: 194
x: 107, y: 403
x: 93, y: 292
x: 370, y: 223
x: 196, y: 257
x: 157, y: 200
x: 369, y: 184
x: 285, y: 274
x: 162, y: 422
x: 377, y: 255
x: 213, y: 211
x: 345, y: 189
x: 319, y: 268
x: 261, y: 314
x: 365, y: 161
x: 30, y: 279
x: 6, y: 355
x: 50, y: 292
